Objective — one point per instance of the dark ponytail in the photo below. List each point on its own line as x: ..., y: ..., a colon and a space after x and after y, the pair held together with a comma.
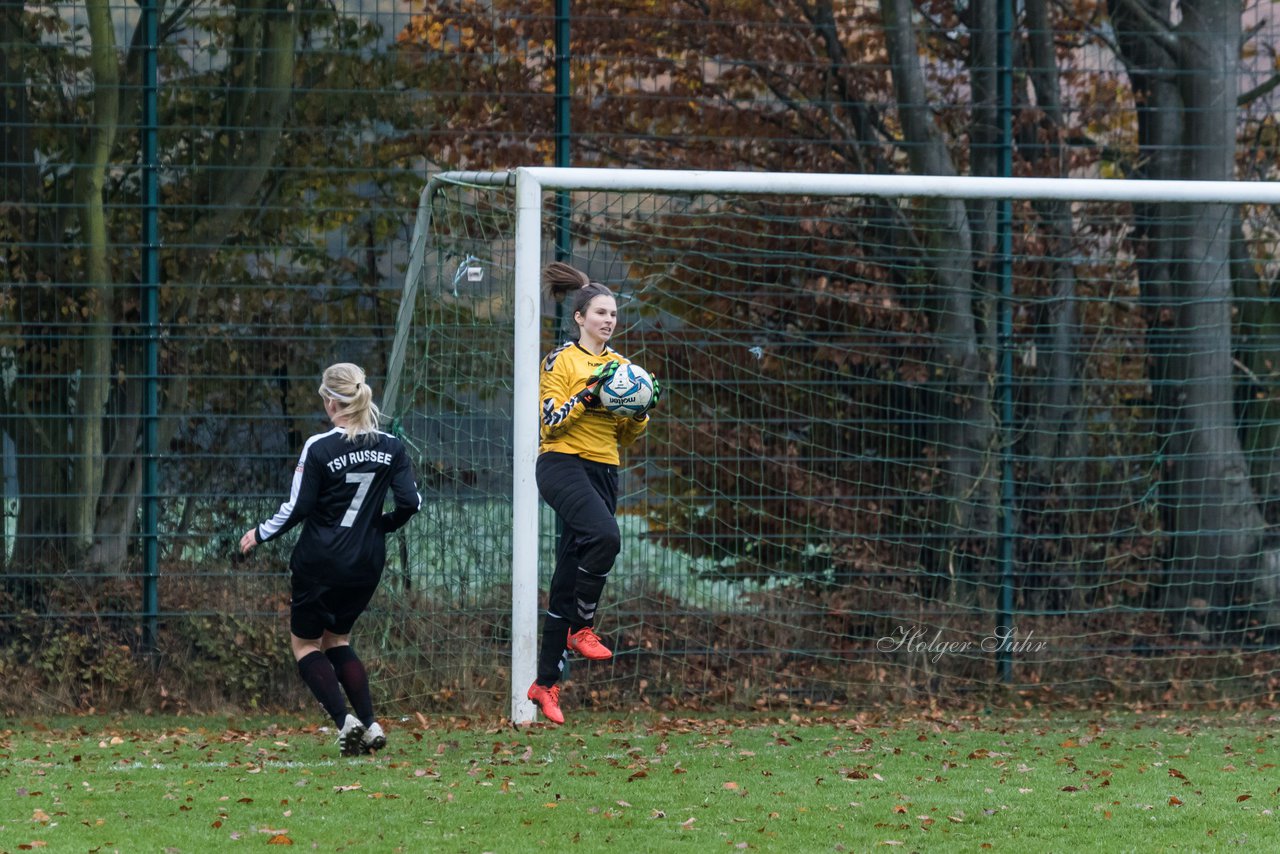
x: 562, y: 280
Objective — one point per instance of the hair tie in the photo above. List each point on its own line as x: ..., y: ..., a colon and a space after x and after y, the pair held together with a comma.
x: 341, y: 398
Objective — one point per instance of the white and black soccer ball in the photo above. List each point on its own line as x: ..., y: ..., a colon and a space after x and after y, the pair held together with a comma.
x: 628, y: 392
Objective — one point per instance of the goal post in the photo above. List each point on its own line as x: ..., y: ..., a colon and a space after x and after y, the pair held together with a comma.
x: 527, y: 189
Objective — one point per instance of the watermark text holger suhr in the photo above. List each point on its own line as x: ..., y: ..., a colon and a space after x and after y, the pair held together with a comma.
x: 917, y: 641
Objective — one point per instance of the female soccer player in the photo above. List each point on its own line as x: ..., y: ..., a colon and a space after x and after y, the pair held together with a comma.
x: 577, y: 475
x: 338, y: 489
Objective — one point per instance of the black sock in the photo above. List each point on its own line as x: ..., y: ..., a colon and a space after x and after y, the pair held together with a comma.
x: 320, y: 677
x: 587, y: 591
x: 355, y: 680
x: 555, y: 634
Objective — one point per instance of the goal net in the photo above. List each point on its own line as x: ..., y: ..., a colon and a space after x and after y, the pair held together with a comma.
x: 948, y: 440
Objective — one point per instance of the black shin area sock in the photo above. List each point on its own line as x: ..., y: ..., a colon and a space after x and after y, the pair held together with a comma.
x: 555, y: 633
x: 320, y: 677
x: 355, y: 680
x: 587, y: 592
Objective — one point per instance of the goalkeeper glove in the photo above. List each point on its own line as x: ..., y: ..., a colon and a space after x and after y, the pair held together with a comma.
x: 590, y: 394
x: 653, y: 400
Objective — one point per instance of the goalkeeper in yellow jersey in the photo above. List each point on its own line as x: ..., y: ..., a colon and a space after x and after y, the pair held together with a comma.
x: 577, y: 475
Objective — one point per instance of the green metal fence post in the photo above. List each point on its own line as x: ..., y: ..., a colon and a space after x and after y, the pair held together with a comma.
x: 563, y: 140
x: 151, y: 319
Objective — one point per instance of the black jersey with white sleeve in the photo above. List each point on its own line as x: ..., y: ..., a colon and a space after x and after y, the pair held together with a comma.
x: 339, y: 488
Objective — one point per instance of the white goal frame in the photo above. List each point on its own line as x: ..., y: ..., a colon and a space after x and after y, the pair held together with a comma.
x: 530, y: 185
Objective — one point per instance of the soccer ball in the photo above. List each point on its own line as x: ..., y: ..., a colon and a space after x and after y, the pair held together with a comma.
x: 628, y: 391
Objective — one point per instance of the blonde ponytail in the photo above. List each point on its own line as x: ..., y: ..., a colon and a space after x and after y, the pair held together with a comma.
x: 344, y: 383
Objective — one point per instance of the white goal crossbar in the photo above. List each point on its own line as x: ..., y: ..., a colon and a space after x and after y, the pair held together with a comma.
x: 530, y: 185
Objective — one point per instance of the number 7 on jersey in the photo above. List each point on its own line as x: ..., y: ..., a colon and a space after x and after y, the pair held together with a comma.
x: 365, y: 480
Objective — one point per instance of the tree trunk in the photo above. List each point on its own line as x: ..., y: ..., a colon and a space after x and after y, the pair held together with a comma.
x: 963, y: 521
x: 1055, y: 420
x: 95, y: 366
x: 1218, y: 527
x: 253, y: 126
x: 1055, y: 440
x: 1185, y: 83
x: 984, y: 122
x: 1259, y: 394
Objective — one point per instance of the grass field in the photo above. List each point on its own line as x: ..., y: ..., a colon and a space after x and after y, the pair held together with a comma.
x: 1037, y: 783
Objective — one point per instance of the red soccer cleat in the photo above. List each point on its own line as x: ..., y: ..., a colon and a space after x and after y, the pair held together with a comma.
x: 586, y: 643
x: 548, y: 700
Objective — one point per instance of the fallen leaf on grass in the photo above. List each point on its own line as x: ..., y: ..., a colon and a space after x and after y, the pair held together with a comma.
x: 1175, y: 802
x: 1243, y: 798
x: 279, y: 839
x: 353, y: 787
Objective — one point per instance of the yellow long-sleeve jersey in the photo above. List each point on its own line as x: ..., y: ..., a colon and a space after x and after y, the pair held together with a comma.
x: 568, y: 425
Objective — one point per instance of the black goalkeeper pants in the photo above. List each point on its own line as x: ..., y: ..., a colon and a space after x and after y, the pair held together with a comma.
x: 584, y: 495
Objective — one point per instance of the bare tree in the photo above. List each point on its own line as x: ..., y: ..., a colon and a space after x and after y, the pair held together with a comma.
x: 1185, y: 81
x: 964, y: 420
x: 77, y: 423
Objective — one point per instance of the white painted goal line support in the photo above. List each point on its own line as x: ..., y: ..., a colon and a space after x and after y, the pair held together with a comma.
x: 525, y: 432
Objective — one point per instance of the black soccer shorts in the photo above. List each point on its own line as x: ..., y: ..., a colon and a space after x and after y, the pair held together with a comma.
x: 315, y: 608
